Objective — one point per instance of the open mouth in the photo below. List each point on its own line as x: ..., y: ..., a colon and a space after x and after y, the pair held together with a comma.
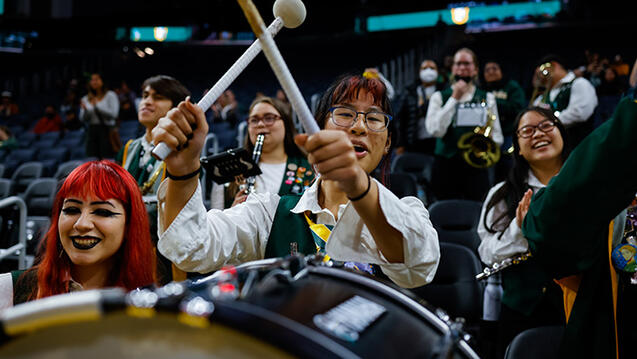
x: 541, y: 144
x: 85, y: 242
x: 360, y: 148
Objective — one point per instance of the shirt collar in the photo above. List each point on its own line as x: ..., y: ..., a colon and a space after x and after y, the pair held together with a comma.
x: 534, y: 182
x: 309, y: 200
x: 570, y: 76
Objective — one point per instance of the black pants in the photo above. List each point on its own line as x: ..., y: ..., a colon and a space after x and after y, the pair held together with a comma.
x: 453, y: 178
x: 98, y: 143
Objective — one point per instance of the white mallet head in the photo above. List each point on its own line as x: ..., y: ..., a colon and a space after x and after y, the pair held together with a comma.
x: 292, y: 12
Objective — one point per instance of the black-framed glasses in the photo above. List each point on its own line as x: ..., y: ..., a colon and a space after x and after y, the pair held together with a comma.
x: 268, y: 119
x: 346, y: 117
x: 528, y: 130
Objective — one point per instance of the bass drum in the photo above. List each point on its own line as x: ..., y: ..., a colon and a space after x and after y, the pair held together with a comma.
x: 293, y: 307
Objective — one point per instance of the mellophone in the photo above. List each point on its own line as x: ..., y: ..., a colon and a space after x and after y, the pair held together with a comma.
x: 273, y: 308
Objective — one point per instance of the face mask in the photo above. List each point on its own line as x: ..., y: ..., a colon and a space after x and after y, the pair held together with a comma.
x: 466, y: 79
x: 428, y: 75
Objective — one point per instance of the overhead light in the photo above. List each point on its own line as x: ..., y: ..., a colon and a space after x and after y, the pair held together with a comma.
x: 139, y: 52
x: 460, y: 15
x: 149, y: 51
x: 160, y: 32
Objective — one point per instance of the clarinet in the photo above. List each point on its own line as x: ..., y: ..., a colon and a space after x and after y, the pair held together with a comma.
x: 256, y: 155
x: 499, y: 266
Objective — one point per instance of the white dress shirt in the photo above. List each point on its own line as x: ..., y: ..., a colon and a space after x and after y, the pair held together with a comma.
x: 581, y: 103
x: 494, y: 247
x: 440, y: 116
x: 204, y: 241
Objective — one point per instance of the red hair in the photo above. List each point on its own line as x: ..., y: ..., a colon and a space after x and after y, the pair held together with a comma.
x: 135, y: 260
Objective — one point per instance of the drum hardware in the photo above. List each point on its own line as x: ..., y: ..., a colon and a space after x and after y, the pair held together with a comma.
x: 505, y: 263
x: 278, y: 315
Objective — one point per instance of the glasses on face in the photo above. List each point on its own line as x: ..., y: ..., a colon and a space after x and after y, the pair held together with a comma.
x: 463, y: 63
x: 346, y: 117
x: 268, y: 119
x: 528, y: 130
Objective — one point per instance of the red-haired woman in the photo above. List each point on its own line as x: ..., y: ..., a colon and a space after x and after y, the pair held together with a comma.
x: 370, y: 224
x: 98, y: 238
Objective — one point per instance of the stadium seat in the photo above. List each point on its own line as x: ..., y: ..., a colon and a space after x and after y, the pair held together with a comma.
x: 65, y: 168
x: 211, y: 145
x: 18, y: 157
x: 1, y: 168
x: 5, y: 187
x: 48, y: 136
x: 456, y: 221
x: 78, y: 153
x: 26, y: 138
x: 403, y: 184
x: 44, y: 145
x: 36, y: 228
x: 39, y: 196
x: 71, y: 142
x: 74, y: 134
x: 51, y: 158
x: 419, y: 166
x: 455, y: 288
x: 25, y: 174
x: 541, y: 342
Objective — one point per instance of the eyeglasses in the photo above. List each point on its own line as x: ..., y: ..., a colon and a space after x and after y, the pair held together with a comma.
x: 268, y: 119
x: 461, y: 63
x: 346, y: 117
x: 529, y: 130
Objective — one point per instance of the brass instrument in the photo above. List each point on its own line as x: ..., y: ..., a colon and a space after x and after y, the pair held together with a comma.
x: 256, y: 155
x: 479, y: 150
x: 541, y: 79
x: 499, y: 266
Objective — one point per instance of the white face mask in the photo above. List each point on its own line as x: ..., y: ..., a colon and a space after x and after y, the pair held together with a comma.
x: 428, y: 75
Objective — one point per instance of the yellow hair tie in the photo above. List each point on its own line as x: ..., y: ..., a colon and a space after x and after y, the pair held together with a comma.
x: 370, y: 75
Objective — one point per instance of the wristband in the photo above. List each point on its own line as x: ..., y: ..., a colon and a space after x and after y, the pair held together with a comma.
x: 184, y: 177
x: 369, y: 185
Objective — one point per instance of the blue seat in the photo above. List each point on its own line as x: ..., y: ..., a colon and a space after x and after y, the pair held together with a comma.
x: 18, y: 157
x: 78, y: 153
x: 65, y: 168
x: 51, y: 158
x: 44, y: 144
x: 71, y: 142
x: 5, y: 187
x: 26, y: 138
x: 74, y: 134
x: 50, y: 136
x: 25, y: 174
x: 39, y: 196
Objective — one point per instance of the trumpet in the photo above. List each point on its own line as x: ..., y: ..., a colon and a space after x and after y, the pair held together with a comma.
x: 256, y: 155
x: 541, y: 79
x: 479, y: 149
x: 505, y: 263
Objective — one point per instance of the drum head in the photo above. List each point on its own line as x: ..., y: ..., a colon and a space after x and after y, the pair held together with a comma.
x: 120, y: 336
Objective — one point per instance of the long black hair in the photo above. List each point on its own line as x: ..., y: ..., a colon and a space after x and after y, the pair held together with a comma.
x: 516, y: 183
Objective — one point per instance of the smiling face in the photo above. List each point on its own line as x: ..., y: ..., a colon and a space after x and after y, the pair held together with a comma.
x: 91, y: 230
x: 274, y: 133
x: 152, y: 107
x: 541, y: 146
x: 492, y: 72
x: 370, y: 146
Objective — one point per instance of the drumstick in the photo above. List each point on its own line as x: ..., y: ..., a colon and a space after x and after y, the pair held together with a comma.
x: 288, y: 13
x: 279, y: 67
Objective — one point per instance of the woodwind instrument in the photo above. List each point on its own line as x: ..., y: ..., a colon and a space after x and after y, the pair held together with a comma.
x: 499, y: 266
x: 256, y: 155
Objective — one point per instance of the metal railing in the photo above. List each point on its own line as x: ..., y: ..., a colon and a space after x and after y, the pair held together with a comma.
x: 19, y: 249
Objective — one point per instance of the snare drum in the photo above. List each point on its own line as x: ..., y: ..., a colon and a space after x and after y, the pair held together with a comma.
x: 265, y: 309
